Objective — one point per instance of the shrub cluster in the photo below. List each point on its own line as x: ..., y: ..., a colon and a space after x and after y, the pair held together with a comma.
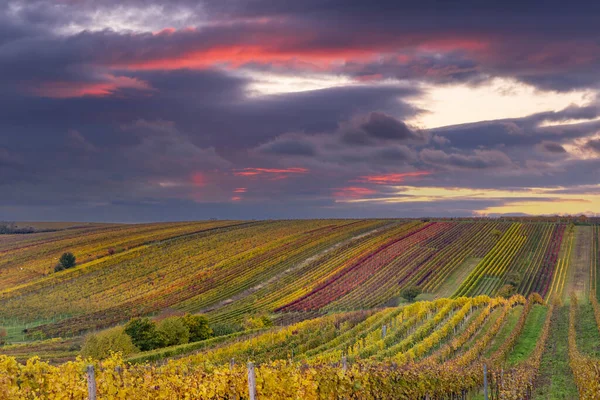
x: 66, y: 261
x: 149, y: 335
x: 143, y: 334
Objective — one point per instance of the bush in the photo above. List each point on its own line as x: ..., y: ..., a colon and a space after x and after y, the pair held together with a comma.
x: 144, y: 334
x: 100, y: 345
x: 173, y: 331
x: 3, y: 335
x: 410, y: 293
x: 513, y: 278
x: 198, y: 327
x: 257, y: 321
x: 506, y: 291
x: 66, y: 261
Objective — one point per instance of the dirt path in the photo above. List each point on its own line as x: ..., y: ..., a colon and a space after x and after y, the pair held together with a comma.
x: 578, y: 278
x: 562, y: 269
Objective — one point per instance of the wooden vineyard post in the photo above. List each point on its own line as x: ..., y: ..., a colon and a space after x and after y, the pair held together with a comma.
x: 119, y: 372
x: 485, y: 382
x: 231, y: 366
x: 344, y: 364
x: 91, y: 378
x: 251, y: 381
x: 383, y: 331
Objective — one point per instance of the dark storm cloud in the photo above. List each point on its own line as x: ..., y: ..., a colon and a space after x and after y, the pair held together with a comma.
x: 523, y: 132
x: 150, y: 123
x: 290, y: 146
x: 594, y: 145
x: 159, y: 144
x: 211, y: 105
x: 552, y: 45
x: 551, y: 147
x: 413, y: 64
x: 382, y: 126
x: 439, y: 44
x: 375, y: 138
x: 480, y: 159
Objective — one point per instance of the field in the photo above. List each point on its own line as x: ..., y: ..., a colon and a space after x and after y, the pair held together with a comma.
x: 518, y: 298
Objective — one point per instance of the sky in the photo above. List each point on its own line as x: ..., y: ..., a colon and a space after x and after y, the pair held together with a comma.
x: 147, y: 110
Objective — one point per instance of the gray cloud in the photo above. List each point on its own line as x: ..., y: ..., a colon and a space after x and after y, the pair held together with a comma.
x: 143, y: 122
x: 480, y: 159
x: 382, y: 126
x: 552, y: 147
x: 593, y: 144
x: 375, y: 138
x: 293, y: 145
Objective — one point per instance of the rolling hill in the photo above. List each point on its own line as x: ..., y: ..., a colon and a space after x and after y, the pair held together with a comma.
x: 517, y: 297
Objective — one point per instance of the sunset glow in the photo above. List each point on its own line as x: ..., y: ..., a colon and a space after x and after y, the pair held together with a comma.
x: 266, y: 109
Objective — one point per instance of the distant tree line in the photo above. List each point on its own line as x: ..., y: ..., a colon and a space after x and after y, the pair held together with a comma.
x: 576, y: 219
x: 10, y: 228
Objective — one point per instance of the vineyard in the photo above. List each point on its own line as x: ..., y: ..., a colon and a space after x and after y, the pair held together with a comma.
x: 506, y: 309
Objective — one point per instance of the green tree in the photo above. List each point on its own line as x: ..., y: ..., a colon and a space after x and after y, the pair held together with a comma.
x: 144, y: 334
x: 497, y: 234
x: 410, y: 293
x: 197, y: 326
x: 66, y: 261
x: 513, y: 278
x: 173, y: 331
x: 506, y: 291
x: 100, y: 345
x: 257, y: 321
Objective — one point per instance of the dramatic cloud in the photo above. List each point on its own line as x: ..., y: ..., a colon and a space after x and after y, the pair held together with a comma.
x: 292, y: 145
x: 391, y: 179
x: 552, y: 147
x: 593, y: 145
x: 497, y: 202
x: 352, y: 192
x: 375, y: 139
x: 480, y: 159
x: 381, y: 126
x: 142, y: 110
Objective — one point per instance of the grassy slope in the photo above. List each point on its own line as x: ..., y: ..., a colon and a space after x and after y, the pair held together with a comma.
x: 489, y: 322
x: 588, y: 338
x: 556, y: 379
x: 454, y: 280
x: 577, y: 279
x: 531, y: 332
x: 507, y: 328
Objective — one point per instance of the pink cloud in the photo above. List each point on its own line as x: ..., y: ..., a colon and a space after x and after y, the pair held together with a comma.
x: 199, y: 179
x: 64, y: 90
x: 353, y: 192
x: 270, y: 173
x: 389, y: 179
